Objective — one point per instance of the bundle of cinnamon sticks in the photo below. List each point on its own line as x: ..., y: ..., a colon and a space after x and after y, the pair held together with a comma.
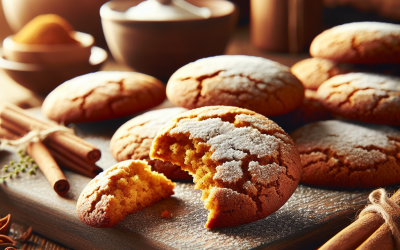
x: 367, y: 233
x: 66, y: 149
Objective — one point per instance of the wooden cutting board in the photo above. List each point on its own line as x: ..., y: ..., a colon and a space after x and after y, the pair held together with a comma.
x: 309, y: 218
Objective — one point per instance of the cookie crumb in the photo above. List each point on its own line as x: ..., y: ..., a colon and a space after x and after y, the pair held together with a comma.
x: 166, y: 215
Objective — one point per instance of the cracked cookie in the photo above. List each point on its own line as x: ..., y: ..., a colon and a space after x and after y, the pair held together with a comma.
x: 133, y: 141
x: 103, y: 95
x: 255, y: 83
x: 361, y: 42
x: 246, y: 165
x: 123, y: 189
x: 363, y: 97
x: 340, y: 154
x: 312, y: 72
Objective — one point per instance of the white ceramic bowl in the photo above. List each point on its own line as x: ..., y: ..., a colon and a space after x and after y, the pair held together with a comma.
x: 159, y: 48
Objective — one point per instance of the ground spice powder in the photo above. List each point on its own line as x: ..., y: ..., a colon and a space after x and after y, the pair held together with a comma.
x: 46, y: 29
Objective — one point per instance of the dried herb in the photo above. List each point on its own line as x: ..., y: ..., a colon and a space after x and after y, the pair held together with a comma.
x: 13, y: 169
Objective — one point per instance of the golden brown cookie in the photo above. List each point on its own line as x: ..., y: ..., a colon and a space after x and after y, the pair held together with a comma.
x: 255, y: 83
x: 361, y: 42
x: 341, y: 154
x: 246, y: 165
x: 123, y: 189
x: 363, y: 96
x: 103, y: 95
x: 312, y: 72
x: 133, y: 141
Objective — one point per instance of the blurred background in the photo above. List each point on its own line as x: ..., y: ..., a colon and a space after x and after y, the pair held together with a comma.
x: 292, y: 23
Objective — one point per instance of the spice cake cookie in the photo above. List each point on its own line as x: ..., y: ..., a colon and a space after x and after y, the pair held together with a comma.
x: 103, y: 95
x: 312, y: 72
x: 341, y: 154
x: 133, y: 141
x: 123, y: 189
x: 360, y: 42
x: 255, y: 83
x: 246, y: 165
x: 363, y: 96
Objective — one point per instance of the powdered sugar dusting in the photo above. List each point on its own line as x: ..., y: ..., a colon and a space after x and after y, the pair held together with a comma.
x: 257, y: 123
x: 367, y: 80
x: 230, y: 171
x: 148, y: 124
x: 379, y: 29
x: 265, y: 174
x: 357, y: 144
x: 227, y: 141
x: 250, y: 188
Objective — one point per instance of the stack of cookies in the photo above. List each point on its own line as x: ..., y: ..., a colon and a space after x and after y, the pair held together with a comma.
x: 351, y: 76
x: 351, y: 71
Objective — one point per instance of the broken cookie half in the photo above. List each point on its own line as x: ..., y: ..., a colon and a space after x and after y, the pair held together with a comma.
x: 246, y: 165
x: 125, y: 188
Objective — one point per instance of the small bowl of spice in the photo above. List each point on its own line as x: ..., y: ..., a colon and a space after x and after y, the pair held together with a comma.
x: 48, y: 40
x: 157, y: 37
x: 47, y: 52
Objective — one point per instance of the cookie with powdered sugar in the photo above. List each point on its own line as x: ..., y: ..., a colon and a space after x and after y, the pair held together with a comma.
x: 246, y: 165
x: 254, y: 83
x: 341, y: 154
x: 360, y: 42
x: 363, y: 96
x: 133, y: 141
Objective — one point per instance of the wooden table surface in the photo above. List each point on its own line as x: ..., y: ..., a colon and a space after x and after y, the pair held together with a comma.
x: 307, y: 220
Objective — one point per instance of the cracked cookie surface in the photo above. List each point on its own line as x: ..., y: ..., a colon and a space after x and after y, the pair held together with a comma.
x: 103, y: 95
x: 133, y: 141
x: 360, y: 42
x: 254, y: 83
x: 312, y: 72
x: 123, y: 189
x: 341, y: 154
x: 364, y: 97
x: 246, y: 165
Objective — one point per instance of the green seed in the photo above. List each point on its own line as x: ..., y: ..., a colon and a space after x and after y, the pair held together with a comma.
x: 11, y: 162
x: 23, y: 169
x: 10, y: 176
x: 31, y: 160
x: 32, y: 172
x: 35, y: 166
x: 2, y: 181
x: 5, y: 168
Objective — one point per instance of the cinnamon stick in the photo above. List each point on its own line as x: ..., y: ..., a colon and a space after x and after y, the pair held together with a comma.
x: 6, y: 134
x: 75, y: 165
x: 70, y: 144
x: 381, y: 239
x: 70, y: 162
x: 359, y: 231
x: 44, y: 160
x: 48, y: 166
